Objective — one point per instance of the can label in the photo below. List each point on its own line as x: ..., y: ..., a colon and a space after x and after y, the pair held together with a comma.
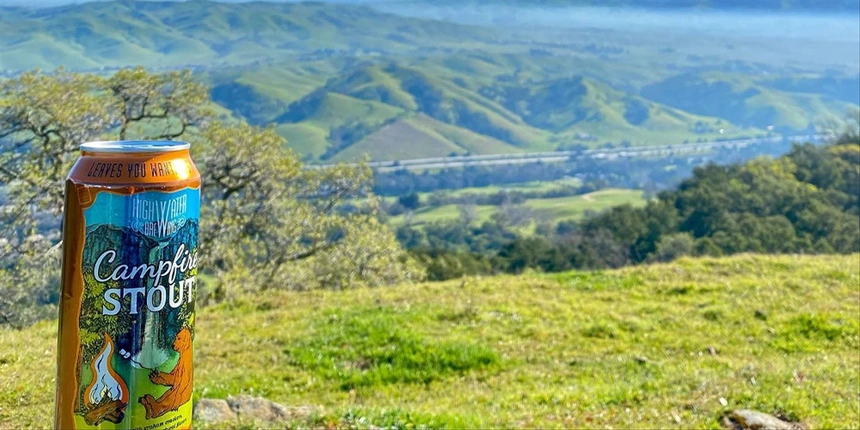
x: 139, y: 267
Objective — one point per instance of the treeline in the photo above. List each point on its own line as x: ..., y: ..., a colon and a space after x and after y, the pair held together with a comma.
x: 803, y: 202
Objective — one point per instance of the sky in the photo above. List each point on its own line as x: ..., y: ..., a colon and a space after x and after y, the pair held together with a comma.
x: 47, y: 3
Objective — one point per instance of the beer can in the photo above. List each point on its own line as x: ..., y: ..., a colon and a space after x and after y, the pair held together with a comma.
x: 129, y: 279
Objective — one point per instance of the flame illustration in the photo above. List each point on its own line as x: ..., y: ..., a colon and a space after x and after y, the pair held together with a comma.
x: 106, y: 382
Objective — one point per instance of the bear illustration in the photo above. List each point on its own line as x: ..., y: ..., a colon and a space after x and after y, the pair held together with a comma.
x: 179, y: 381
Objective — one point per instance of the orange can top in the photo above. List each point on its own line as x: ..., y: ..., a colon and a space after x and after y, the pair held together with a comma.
x: 135, y: 163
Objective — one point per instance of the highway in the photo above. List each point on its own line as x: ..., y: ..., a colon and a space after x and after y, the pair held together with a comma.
x: 560, y: 156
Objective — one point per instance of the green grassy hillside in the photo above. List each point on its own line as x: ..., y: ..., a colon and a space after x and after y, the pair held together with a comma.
x: 666, y: 346
x: 420, y: 136
x: 555, y: 209
x: 165, y: 34
x: 579, y: 108
x: 395, y: 111
x: 744, y: 101
x: 436, y: 106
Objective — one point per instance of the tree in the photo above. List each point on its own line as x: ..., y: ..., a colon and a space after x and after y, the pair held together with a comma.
x: 468, y: 214
x: 410, y: 201
x: 273, y: 224
x: 673, y: 246
x: 265, y: 220
x: 43, y: 120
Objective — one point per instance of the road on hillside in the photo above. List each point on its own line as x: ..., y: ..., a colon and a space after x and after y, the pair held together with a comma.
x: 560, y: 156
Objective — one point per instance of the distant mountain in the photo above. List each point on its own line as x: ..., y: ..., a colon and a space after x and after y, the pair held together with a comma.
x: 164, y: 34
x: 849, y: 6
x: 339, y: 81
x: 798, y: 5
x: 783, y: 103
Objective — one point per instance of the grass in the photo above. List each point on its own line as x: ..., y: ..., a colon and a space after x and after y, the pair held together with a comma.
x: 441, y: 213
x: 556, y: 209
x: 660, y: 346
x: 381, y: 351
x: 398, y: 141
x: 576, y: 207
x: 306, y: 139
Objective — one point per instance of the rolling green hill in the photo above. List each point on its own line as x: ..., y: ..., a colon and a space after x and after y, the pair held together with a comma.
x: 344, y: 81
x: 744, y: 101
x: 433, y: 106
x: 420, y: 136
x: 579, y: 108
x: 554, y: 209
x: 664, y: 346
x: 365, y: 111
x: 167, y: 34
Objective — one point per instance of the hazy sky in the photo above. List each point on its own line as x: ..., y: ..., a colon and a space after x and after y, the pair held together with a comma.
x: 62, y: 2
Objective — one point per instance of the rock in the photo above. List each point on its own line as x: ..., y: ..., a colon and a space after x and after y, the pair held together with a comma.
x: 247, y: 408
x: 260, y: 409
x: 213, y: 411
x: 744, y: 419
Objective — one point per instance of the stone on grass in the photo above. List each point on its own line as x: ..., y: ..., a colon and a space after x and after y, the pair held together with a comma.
x: 213, y: 411
x: 258, y: 408
x: 744, y: 419
x: 248, y: 408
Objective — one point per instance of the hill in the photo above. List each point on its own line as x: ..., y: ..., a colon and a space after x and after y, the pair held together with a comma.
x: 433, y: 99
x: 672, y: 345
x: 162, y: 34
x: 372, y: 109
x: 783, y: 103
x: 580, y: 108
x: 848, y: 6
x: 341, y: 81
x: 470, y: 103
x: 431, y: 107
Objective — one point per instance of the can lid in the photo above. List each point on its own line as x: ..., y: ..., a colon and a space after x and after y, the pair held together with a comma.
x: 131, y: 146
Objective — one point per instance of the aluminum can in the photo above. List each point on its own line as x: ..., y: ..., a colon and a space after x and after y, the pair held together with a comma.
x: 129, y: 279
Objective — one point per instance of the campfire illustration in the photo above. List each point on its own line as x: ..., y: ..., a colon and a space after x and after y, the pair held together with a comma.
x: 106, y: 398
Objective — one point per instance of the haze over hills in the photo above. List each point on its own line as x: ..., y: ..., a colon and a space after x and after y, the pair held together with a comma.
x: 171, y: 34
x: 340, y: 81
x: 805, y: 5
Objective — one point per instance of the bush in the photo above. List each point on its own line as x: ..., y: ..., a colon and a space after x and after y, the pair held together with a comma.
x: 672, y: 247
